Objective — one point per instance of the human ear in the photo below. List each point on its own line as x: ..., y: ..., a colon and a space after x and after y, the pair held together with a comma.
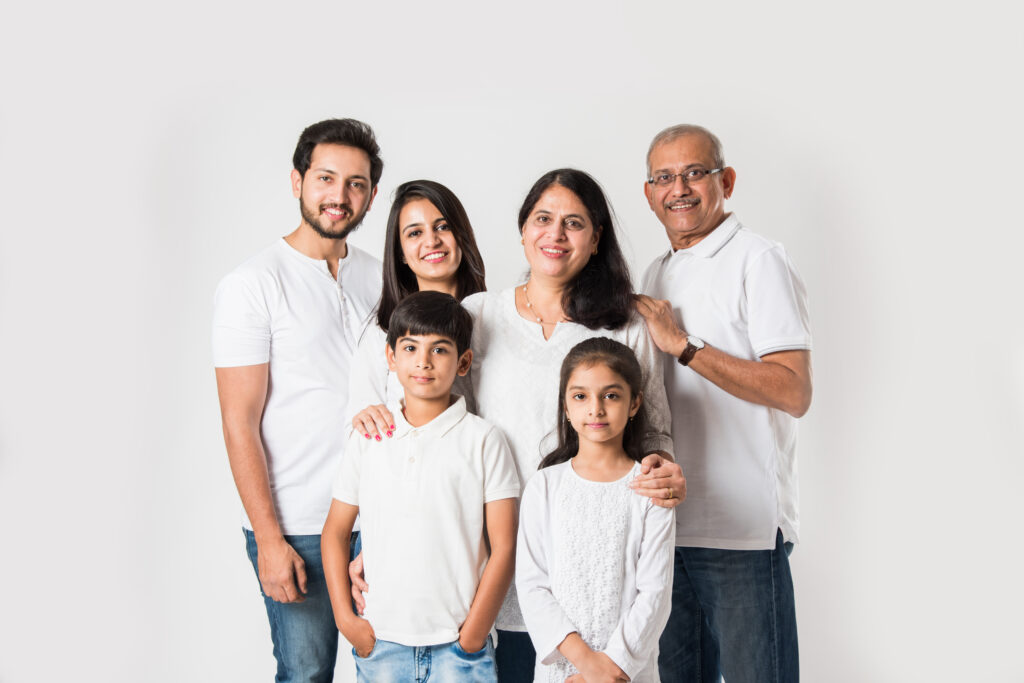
x: 649, y: 193
x: 389, y: 353
x: 728, y: 181
x: 373, y: 194
x: 634, y: 405
x: 465, y: 362
x: 296, y: 184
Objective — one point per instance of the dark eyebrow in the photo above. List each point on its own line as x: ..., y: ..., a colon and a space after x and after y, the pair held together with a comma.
x: 576, y: 215
x: 414, y: 340
x: 605, y: 388
x: 412, y: 225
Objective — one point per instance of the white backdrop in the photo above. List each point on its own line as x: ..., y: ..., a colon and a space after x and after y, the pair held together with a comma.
x: 144, y: 152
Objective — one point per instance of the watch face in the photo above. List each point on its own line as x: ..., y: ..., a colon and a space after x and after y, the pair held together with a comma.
x: 696, y: 341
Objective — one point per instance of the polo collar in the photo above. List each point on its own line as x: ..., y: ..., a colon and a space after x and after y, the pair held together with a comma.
x: 716, y: 239
x: 437, y: 427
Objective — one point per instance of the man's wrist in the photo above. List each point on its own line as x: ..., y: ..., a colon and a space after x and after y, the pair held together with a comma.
x: 693, y: 345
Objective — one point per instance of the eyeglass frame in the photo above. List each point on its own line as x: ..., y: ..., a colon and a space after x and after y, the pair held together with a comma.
x: 651, y: 180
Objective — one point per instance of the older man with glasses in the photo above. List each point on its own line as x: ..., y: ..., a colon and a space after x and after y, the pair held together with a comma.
x: 729, y: 311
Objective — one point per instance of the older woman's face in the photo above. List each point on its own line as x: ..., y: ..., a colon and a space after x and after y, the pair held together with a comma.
x: 558, y: 236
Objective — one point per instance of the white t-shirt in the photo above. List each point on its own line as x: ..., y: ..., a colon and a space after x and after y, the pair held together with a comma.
x: 738, y: 292
x: 421, y: 497
x: 595, y: 558
x: 515, y: 382
x: 284, y: 308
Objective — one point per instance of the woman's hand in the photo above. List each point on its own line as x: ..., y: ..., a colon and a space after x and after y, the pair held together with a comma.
x: 374, y: 422
x: 661, y: 480
x: 358, y: 582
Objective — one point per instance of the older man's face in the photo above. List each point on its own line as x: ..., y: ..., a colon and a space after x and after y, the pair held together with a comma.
x: 691, y: 211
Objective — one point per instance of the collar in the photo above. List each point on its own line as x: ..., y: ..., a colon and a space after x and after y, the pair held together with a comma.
x: 320, y: 264
x: 716, y: 239
x: 437, y: 427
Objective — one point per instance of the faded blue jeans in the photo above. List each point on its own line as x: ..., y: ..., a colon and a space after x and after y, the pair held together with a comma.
x: 393, y: 663
x: 733, y: 614
x: 304, y: 634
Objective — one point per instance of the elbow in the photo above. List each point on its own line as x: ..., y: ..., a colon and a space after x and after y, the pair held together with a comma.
x: 800, y: 402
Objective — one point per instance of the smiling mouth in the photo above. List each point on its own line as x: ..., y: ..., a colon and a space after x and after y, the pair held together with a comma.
x: 553, y: 252
x: 682, y: 205
x: 435, y: 257
x: 335, y: 212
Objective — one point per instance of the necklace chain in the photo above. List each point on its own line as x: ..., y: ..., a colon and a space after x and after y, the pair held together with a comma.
x: 533, y: 312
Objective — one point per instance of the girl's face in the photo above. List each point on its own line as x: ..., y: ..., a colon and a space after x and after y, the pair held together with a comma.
x: 599, y: 403
x: 428, y: 245
x: 558, y: 236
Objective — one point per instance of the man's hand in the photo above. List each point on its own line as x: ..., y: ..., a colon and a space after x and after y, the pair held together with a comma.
x: 661, y: 480
x: 282, y: 571
x: 597, y: 667
x: 359, y: 585
x: 661, y: 324
x: 360, y: 634
x: 374, y: 422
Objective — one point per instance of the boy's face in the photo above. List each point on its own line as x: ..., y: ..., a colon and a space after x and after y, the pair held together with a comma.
x: 426, y: 365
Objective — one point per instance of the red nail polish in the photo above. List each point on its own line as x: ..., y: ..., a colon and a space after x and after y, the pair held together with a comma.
x: 392, y: 427
x: 366, y: 435
x: 389, y: 434
x: 377, y: 437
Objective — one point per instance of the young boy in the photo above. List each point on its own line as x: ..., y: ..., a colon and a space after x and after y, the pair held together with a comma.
x: 431, y: 501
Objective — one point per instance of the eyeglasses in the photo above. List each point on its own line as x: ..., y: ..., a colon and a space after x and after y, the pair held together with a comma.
x: 689, y: 176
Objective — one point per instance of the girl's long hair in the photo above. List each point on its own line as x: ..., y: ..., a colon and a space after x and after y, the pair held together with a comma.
x: 399, y: 280
x: 621, y: 360
x: 601, y: 295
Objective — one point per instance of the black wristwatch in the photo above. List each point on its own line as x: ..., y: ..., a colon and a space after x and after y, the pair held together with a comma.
x: 693, y: 345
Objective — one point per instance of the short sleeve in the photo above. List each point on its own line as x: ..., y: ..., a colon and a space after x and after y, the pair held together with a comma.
x: 500, y: 477
x: 241, y: 324
x: 346, y: 482
x: 776, y: 304
x: 659, y: 418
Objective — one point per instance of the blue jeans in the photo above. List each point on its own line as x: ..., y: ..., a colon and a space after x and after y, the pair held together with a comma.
x: 304, y: 635
x: 733, y: 614
x: 393, y: 663
x: 515, y: 657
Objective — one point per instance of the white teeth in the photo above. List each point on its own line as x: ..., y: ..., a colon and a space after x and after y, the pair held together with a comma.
x: 557, y: 252
x: 434, y: 257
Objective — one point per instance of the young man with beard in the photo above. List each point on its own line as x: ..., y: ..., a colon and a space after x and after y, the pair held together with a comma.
x: 285, y: 326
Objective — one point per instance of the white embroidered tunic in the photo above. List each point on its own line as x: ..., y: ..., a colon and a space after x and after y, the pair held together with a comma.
x: 594, y: 558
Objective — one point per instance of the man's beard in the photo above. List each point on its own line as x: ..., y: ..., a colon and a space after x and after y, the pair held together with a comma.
x: 314, y: 221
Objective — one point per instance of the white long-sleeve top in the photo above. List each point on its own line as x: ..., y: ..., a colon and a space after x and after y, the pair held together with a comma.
x: 594, y: 558
x: 515, y: 384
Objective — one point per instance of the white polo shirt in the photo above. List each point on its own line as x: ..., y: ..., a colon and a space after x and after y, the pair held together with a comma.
x: 285, y: 308
x: 738, y: 292
x: 421, y: 497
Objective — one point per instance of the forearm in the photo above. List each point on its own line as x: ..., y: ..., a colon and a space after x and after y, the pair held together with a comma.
x: 766, y: 382
x: 249, y: 470
x: 334, y: 550
x: 490, y: 593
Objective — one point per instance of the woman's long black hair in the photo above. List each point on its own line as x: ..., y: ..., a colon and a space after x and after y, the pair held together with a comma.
x: 399, y: 280
x: 601, y: 295
x: 621, y: 360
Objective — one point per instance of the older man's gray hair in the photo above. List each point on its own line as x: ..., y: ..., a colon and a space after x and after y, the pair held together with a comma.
x: 678, y: 131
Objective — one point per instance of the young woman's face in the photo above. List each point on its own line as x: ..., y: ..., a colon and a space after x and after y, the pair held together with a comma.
x: 428, y: 245
x: 599, y: 403
x: 558, y: 236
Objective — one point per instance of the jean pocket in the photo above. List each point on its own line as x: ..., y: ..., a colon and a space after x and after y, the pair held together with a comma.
x: 471, y: 655
x: 368, y: 654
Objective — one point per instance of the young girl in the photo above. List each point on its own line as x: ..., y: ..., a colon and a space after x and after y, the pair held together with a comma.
x: 594, y: 560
